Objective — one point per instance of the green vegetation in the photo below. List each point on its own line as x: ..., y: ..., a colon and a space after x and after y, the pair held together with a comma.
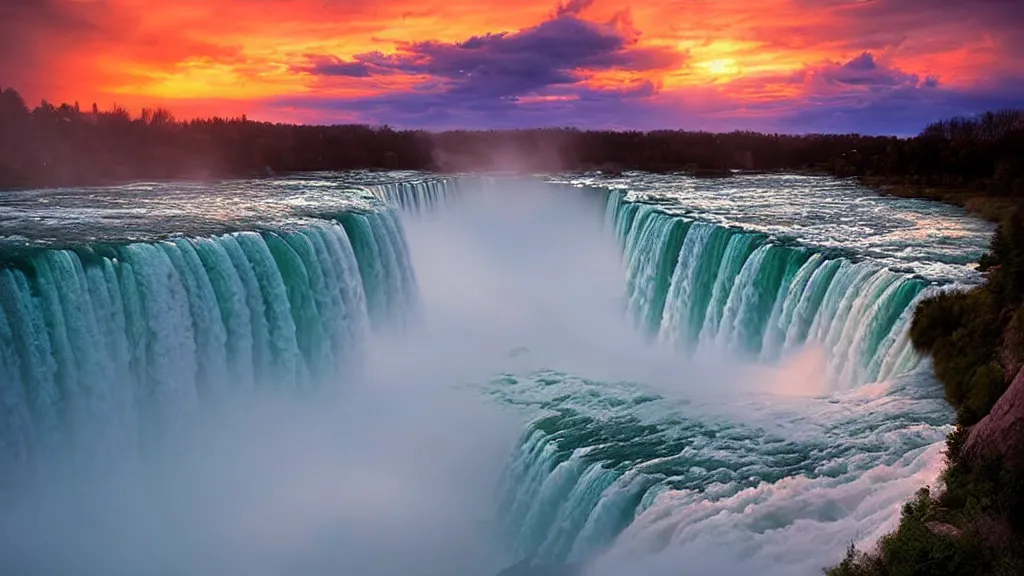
x: 975, y: 524
x: 964, y: 332
x: 972, y: 528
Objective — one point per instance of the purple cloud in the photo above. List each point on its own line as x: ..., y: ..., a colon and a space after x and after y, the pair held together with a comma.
x: 537, y: 77
x: 625, y: 108
x: 863, y: 71
x: 901, y: 110
x: 557, y: 52
x: 922, y: 25
x: 573, y: 7
x: 334, y: 66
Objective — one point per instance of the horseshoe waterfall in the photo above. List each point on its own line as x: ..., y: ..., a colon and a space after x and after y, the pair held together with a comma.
x: 398, y: 373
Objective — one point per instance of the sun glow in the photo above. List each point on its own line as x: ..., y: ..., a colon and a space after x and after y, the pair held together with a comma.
x: 209, y: 57
x: 721, y: 68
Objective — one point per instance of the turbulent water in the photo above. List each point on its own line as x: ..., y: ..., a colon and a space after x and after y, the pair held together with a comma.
x: 652, y: 374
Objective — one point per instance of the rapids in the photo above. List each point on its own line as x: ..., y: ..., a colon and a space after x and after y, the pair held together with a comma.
x: 400, y: 373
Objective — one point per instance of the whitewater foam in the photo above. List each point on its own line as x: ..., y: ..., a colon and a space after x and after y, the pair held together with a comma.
x: 670, y: 388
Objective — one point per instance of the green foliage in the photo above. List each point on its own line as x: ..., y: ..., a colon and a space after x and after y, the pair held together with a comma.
x: 857, y: 563
x: 970, y: 530
x: 975, y: 526
x: 915, y: 549
x: 1005, y: 262
x: 964, y: 331
x: 988, y: 488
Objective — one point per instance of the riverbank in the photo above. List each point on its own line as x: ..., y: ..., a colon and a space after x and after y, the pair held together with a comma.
x: 973, y: 524
x: 990, y: 206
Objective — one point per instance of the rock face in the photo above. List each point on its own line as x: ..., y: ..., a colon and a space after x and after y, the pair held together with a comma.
x: 1002, y: 431
x: 1011, y: 355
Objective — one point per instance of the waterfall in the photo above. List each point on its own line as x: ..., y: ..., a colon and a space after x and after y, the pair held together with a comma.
x: 124, y: 338
x: 106, y: 348
x: 693, y: 284
x: 582, y: 476
x: 419, y: 197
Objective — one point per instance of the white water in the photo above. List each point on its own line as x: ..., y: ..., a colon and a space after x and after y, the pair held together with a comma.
x: 388, y: 461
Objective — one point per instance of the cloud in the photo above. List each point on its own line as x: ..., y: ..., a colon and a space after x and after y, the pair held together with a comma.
x: 334, y: 66
x: 570, y: 106
x: 545, y: 74
x: 573, y: 7
x: 921, y: 29
x: 724, y: 64
x: 902, y: 111
x: 561, y: 51
x: 862, y: 71
x: 861, y: 94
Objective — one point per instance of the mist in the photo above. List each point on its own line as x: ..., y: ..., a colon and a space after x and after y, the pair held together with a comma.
x: 381, y: 476
x: 392, y: 470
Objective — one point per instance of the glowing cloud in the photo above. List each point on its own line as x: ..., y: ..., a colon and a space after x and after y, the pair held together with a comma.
x: 790, y: 65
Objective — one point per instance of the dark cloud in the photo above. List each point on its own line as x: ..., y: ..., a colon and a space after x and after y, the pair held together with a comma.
x: 536, y: 76
x: 903, y: 111
x: 333, y: 66
x: 566, y: 106
x: 863, y: 71
x: 887, y: 107
x: 500, y: 66
x: 573, y: 7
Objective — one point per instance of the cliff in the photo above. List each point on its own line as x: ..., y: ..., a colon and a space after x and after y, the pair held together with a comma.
x: 975, y: 523
x: 1001, y: 433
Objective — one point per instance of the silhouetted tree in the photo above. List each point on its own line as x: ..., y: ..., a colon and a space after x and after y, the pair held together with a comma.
x: 60, y: 145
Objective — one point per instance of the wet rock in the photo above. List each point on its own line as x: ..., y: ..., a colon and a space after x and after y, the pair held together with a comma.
x: 1001, y: 433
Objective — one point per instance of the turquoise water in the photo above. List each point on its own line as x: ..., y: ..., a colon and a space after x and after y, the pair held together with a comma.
x: 637, y: 371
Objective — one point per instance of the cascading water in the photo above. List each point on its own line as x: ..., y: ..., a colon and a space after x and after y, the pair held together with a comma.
x: 134, y: 334
x: 694, y: 284
x: 617, y: 464
x: 419, y: 197
x: 724, y: 446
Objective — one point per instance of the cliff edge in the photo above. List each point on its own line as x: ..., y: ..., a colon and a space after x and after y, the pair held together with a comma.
x: 1001, y: 432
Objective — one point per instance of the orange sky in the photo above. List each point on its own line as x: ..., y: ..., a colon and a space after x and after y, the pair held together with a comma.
x: 687, y: 59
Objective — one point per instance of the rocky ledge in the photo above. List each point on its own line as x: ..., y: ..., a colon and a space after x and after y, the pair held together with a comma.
x: 1001, y: 432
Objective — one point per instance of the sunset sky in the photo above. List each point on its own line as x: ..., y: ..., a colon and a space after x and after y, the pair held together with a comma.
x: 875, y: 66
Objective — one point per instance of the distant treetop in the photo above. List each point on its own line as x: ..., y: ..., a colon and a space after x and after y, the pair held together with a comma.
x: 65, y: 146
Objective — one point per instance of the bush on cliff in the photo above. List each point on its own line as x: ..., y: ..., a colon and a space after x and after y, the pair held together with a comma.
x: 963, y: 332
x: 975, y: 525
x: 970, y: 529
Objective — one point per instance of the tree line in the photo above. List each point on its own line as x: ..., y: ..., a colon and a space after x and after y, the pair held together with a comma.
x: 64, y: 145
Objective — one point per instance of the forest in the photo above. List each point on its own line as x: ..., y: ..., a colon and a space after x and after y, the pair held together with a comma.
x: 64, y: 145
